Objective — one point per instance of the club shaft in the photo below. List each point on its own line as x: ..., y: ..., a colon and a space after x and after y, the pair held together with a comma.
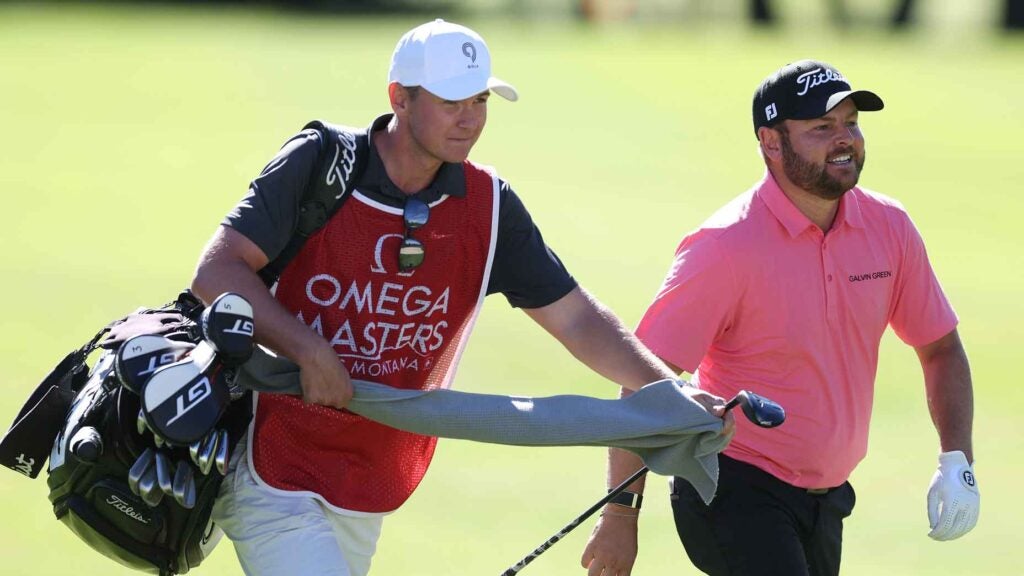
x: 734, y: 402
x: 571, y: 525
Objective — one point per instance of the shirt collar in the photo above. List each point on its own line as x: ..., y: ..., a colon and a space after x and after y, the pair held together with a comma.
x: 449, y: 179
x: 790, y: 216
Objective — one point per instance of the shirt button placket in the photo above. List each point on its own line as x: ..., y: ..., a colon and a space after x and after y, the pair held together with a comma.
x: 831, y: 311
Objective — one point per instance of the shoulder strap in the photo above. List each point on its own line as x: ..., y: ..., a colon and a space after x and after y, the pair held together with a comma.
x: 343, y: 155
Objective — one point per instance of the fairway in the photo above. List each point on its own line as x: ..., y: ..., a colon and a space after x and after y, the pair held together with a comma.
x: 129, y: 133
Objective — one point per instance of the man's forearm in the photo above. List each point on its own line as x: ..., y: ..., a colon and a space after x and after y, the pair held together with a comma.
x: 275, y: 327
x: 950, y: 393
x: 622, y: 464
x: 595, y: 336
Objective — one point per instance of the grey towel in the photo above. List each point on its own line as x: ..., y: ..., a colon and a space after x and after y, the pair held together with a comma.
x: 673, y: 434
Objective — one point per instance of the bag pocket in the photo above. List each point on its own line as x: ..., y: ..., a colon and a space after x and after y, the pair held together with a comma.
x: 119, y: 525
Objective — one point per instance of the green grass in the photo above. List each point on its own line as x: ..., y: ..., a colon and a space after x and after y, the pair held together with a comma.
x: 128, y: 133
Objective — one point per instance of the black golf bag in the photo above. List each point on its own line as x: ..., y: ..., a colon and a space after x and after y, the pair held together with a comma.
x: 88, y: 424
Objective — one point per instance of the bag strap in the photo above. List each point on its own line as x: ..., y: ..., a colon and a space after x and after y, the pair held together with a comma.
x: 26, y: 445
x: 344, y: 152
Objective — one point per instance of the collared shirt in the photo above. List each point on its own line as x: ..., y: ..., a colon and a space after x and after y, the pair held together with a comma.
x: 376, y: 183
x: 525, y: 270
x: 759, y: 298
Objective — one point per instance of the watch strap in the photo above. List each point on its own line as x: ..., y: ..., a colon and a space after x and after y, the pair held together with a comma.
x: 628, y: 499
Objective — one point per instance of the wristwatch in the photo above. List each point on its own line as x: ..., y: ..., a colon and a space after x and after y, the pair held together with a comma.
x: 628, y: 499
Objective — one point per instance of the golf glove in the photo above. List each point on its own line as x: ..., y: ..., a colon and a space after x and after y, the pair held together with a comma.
x: 953, y: 499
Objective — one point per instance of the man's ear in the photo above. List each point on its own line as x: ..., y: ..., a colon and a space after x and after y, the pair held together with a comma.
x: 399, y: 98
x: 771, y: 143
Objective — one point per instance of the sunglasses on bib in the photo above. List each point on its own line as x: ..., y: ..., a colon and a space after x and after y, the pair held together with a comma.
x: 414, y: 216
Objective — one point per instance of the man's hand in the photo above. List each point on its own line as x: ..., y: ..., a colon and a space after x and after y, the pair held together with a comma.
x: 324, y: 379
x: 612, y: 548
x: 715, y: 406
x: 953, y: 498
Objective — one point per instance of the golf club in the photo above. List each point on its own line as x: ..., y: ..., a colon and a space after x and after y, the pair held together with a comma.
x: 206, y: 454
x: 223, y: 454
x: 182, y: 401
x: 139, y: 357
x: 140, y: 423
x: 184, y: 487
x: 193, y: 451
x: 164, y: 478
x: 141, y: 465
x: 758, y: 409
x: 228, y: 327
x: 149, y: 488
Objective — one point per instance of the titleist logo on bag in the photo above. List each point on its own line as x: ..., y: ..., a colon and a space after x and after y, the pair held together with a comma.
x: 127, y: 509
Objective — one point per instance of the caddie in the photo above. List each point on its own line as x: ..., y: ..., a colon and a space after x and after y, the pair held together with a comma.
x: 387, y: 290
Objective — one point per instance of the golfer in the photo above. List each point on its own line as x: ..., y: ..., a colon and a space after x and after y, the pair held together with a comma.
x: 388, y: 291
x: 786, y: 291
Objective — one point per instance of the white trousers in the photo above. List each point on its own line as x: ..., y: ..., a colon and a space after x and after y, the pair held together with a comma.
x: 277, y: 535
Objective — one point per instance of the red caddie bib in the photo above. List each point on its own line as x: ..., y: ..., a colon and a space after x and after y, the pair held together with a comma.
x: 402, y: 329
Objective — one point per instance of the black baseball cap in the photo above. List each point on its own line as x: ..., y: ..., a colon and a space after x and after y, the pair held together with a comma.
x: 806, y: 90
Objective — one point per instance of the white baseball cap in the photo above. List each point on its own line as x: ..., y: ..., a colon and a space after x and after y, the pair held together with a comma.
x: 448, y: 60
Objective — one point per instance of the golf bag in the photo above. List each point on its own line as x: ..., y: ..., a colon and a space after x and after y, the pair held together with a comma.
x: 88, y: 423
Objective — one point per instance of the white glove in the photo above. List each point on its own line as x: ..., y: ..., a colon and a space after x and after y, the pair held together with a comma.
x: 953, y: 499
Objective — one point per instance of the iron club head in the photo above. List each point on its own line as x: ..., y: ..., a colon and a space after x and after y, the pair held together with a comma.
x: 143, y: 463
x: 140, y: 422
x: 184, y: 488
x: 163, y: 472
x: 149, y: 488
x: 223, y: 453
x: 207, y: 452
x: 193, y: 451
x: 758, y: 409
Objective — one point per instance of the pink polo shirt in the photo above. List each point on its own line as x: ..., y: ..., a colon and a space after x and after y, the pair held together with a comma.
x: 758, y: 298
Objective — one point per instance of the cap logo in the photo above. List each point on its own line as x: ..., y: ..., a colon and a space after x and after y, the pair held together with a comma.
x: 469, y: 51
x: 815, y: 77
x: 770, y: 112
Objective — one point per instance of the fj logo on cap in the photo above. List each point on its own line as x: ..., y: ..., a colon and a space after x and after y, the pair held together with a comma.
x: 469, y: 50
x: 770, y: 111
x: 811, y: 79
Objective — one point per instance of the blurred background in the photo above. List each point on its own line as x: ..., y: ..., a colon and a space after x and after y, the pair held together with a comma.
x: 129, y: 129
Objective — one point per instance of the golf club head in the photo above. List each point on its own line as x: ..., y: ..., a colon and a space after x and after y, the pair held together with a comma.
x: 223, y: 453
x: 758, y: 409
x: 164, y: 473
x: 140, y: 423
x: 228, y: 326
x: 207, y: 453
x: 149, y: 488
x: 142, y: 464
x: 139, y: 357
x: 193, y: 451
x: 184, y: 487
x: 183, y: 401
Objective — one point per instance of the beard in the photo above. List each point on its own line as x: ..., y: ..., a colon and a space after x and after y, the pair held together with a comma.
x: 814, y: 178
